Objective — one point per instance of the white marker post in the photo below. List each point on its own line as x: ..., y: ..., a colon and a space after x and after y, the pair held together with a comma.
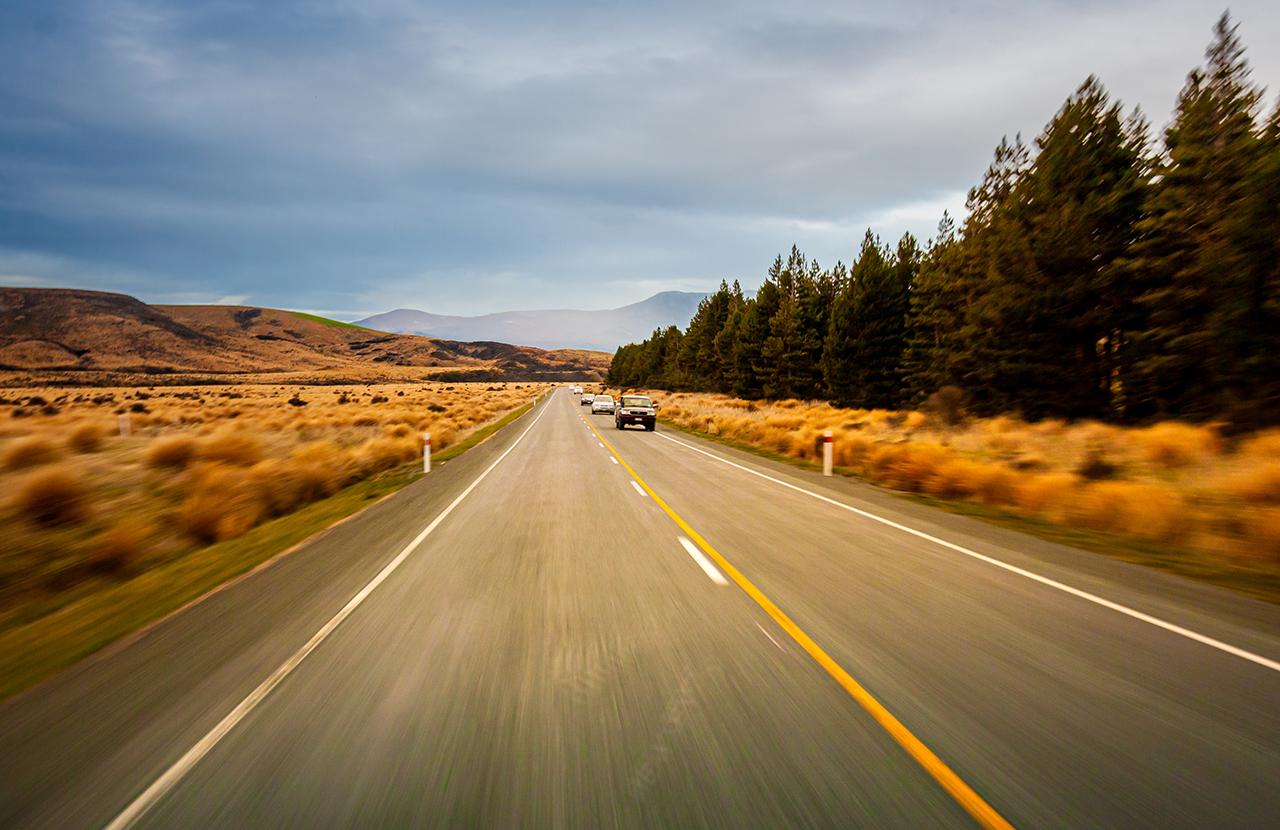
x: 126, y: 429
x: 426, y: 452
x: 826, y: 452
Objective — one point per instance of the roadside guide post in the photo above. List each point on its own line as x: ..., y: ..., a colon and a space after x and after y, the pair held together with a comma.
x: 426, y: 452
x: 826, y: 452
x: 126, y: 429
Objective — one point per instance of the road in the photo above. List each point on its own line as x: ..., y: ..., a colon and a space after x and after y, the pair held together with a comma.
x: 571, y: 626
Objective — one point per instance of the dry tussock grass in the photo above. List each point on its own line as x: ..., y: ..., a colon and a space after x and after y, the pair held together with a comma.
x: 1171, y: 444
x: 204, y: 463
x: 119, y: 547
x: 85, y: 438
x: 1146, y: 483
x: 30, y: 452
x: 53, y: 496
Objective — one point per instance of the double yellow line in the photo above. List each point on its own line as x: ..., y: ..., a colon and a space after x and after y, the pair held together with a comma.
x: 964, y: 795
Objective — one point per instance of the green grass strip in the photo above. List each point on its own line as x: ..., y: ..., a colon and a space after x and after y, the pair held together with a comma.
x: 35, y: 650
x: 326, y: 321
x: 1257, y: 579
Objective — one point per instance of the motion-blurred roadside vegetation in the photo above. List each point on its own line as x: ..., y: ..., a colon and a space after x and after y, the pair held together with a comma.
x: 1185, y: 489
x: 83, y: 507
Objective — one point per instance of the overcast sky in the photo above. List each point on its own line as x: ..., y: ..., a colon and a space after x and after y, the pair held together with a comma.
x: 353, y: 156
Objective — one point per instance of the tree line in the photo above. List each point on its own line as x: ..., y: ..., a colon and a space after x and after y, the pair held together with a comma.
x: 1097, y: 275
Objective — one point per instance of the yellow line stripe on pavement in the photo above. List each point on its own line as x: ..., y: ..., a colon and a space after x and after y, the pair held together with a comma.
x: 973, y: 803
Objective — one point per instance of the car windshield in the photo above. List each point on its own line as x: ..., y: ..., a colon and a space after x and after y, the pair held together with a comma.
x: 630, y: 401
x: 603, y: 399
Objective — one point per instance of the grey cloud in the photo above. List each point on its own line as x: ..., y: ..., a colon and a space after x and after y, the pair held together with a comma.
x: 343, y: 154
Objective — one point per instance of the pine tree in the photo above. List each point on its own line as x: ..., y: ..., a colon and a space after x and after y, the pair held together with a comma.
x: 1207, y: 327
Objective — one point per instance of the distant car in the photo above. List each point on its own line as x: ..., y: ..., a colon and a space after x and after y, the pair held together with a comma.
x: 586, y: 399
x: 635, y: 409
x: 602, y: 403
x: 577, y: 390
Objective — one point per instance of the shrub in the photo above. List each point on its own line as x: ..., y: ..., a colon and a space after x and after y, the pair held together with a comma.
x: 118, y: 547
x: 30, y: 453
x: 1096, y: 467
x: 1044, y: 493
x: 916, y: 420
x: 53, y: 497
x: 1264, y: 444
x: 86, y: 438
x: 219, y: 507
x: 380, y: 454
x: 238, y: 450
x: 1262, y: 486
x: 994, y: 484
x: 176, y: 452
x: 1262, y: 533
x: 910, y: 466
x: 1146, y: 510
x: 1171, y: 444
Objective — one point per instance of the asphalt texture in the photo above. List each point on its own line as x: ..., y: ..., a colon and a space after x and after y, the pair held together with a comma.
x: 551, y: 655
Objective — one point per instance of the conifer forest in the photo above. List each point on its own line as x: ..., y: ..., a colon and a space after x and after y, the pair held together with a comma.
x: 1100, y: 273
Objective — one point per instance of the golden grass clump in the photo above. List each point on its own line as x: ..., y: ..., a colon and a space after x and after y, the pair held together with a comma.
x: 848, y: 450
x: 916, y: 420
x: 1049, y: 493
x: 55, y: 496
x: 1171, y: 445
x: 1262, y: 486
x: 85, y: 438
x: 993, y: 484
x: 1262, y: 534
x: 907, y: 466
x: 1265, y: 444
x: 1149, y: 511
x: 220, y: 506
x: 232, y: 448
x: 177, y: 452
x: 380, y: 454
x: 118, y: 548
x: 31, y: 452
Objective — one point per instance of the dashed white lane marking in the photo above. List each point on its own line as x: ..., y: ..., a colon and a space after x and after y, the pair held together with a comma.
x: 183, y: 765
x: 770, y: 636
x: 638, y: 490
x: 703, y: 561
x: 1043, y: 580
x: 614, y: 460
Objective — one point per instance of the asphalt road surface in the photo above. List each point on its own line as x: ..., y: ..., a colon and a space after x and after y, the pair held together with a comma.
x: 577, y: 627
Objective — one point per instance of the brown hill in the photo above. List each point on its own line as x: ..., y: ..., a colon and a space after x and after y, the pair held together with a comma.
x: 50, y: 335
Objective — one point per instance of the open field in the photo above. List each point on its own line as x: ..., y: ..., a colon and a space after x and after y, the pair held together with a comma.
x: 1173, y: 495
x: 85, y: 509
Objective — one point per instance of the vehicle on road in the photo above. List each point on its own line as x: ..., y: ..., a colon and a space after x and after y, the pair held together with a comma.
x: 586, y: 399
x: 602, y: 403
x: 635, y: 409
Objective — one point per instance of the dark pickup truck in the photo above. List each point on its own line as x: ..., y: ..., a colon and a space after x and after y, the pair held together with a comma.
x: 635, y: 409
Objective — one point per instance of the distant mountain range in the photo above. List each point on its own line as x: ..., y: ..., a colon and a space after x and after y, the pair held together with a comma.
x: 551, y: 329
x: 58, y: 335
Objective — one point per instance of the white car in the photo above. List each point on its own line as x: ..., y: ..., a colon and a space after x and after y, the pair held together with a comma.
x: 602, y: 403
x: 586, y: 399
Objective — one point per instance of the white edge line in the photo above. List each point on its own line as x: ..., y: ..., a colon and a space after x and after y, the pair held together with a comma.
x: 183, y: 765
x: 705, y: 563
x: 638, y: 490
x: 1044, y: 580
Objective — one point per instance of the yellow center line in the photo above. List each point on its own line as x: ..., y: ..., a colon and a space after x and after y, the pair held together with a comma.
x: 973, y: 803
